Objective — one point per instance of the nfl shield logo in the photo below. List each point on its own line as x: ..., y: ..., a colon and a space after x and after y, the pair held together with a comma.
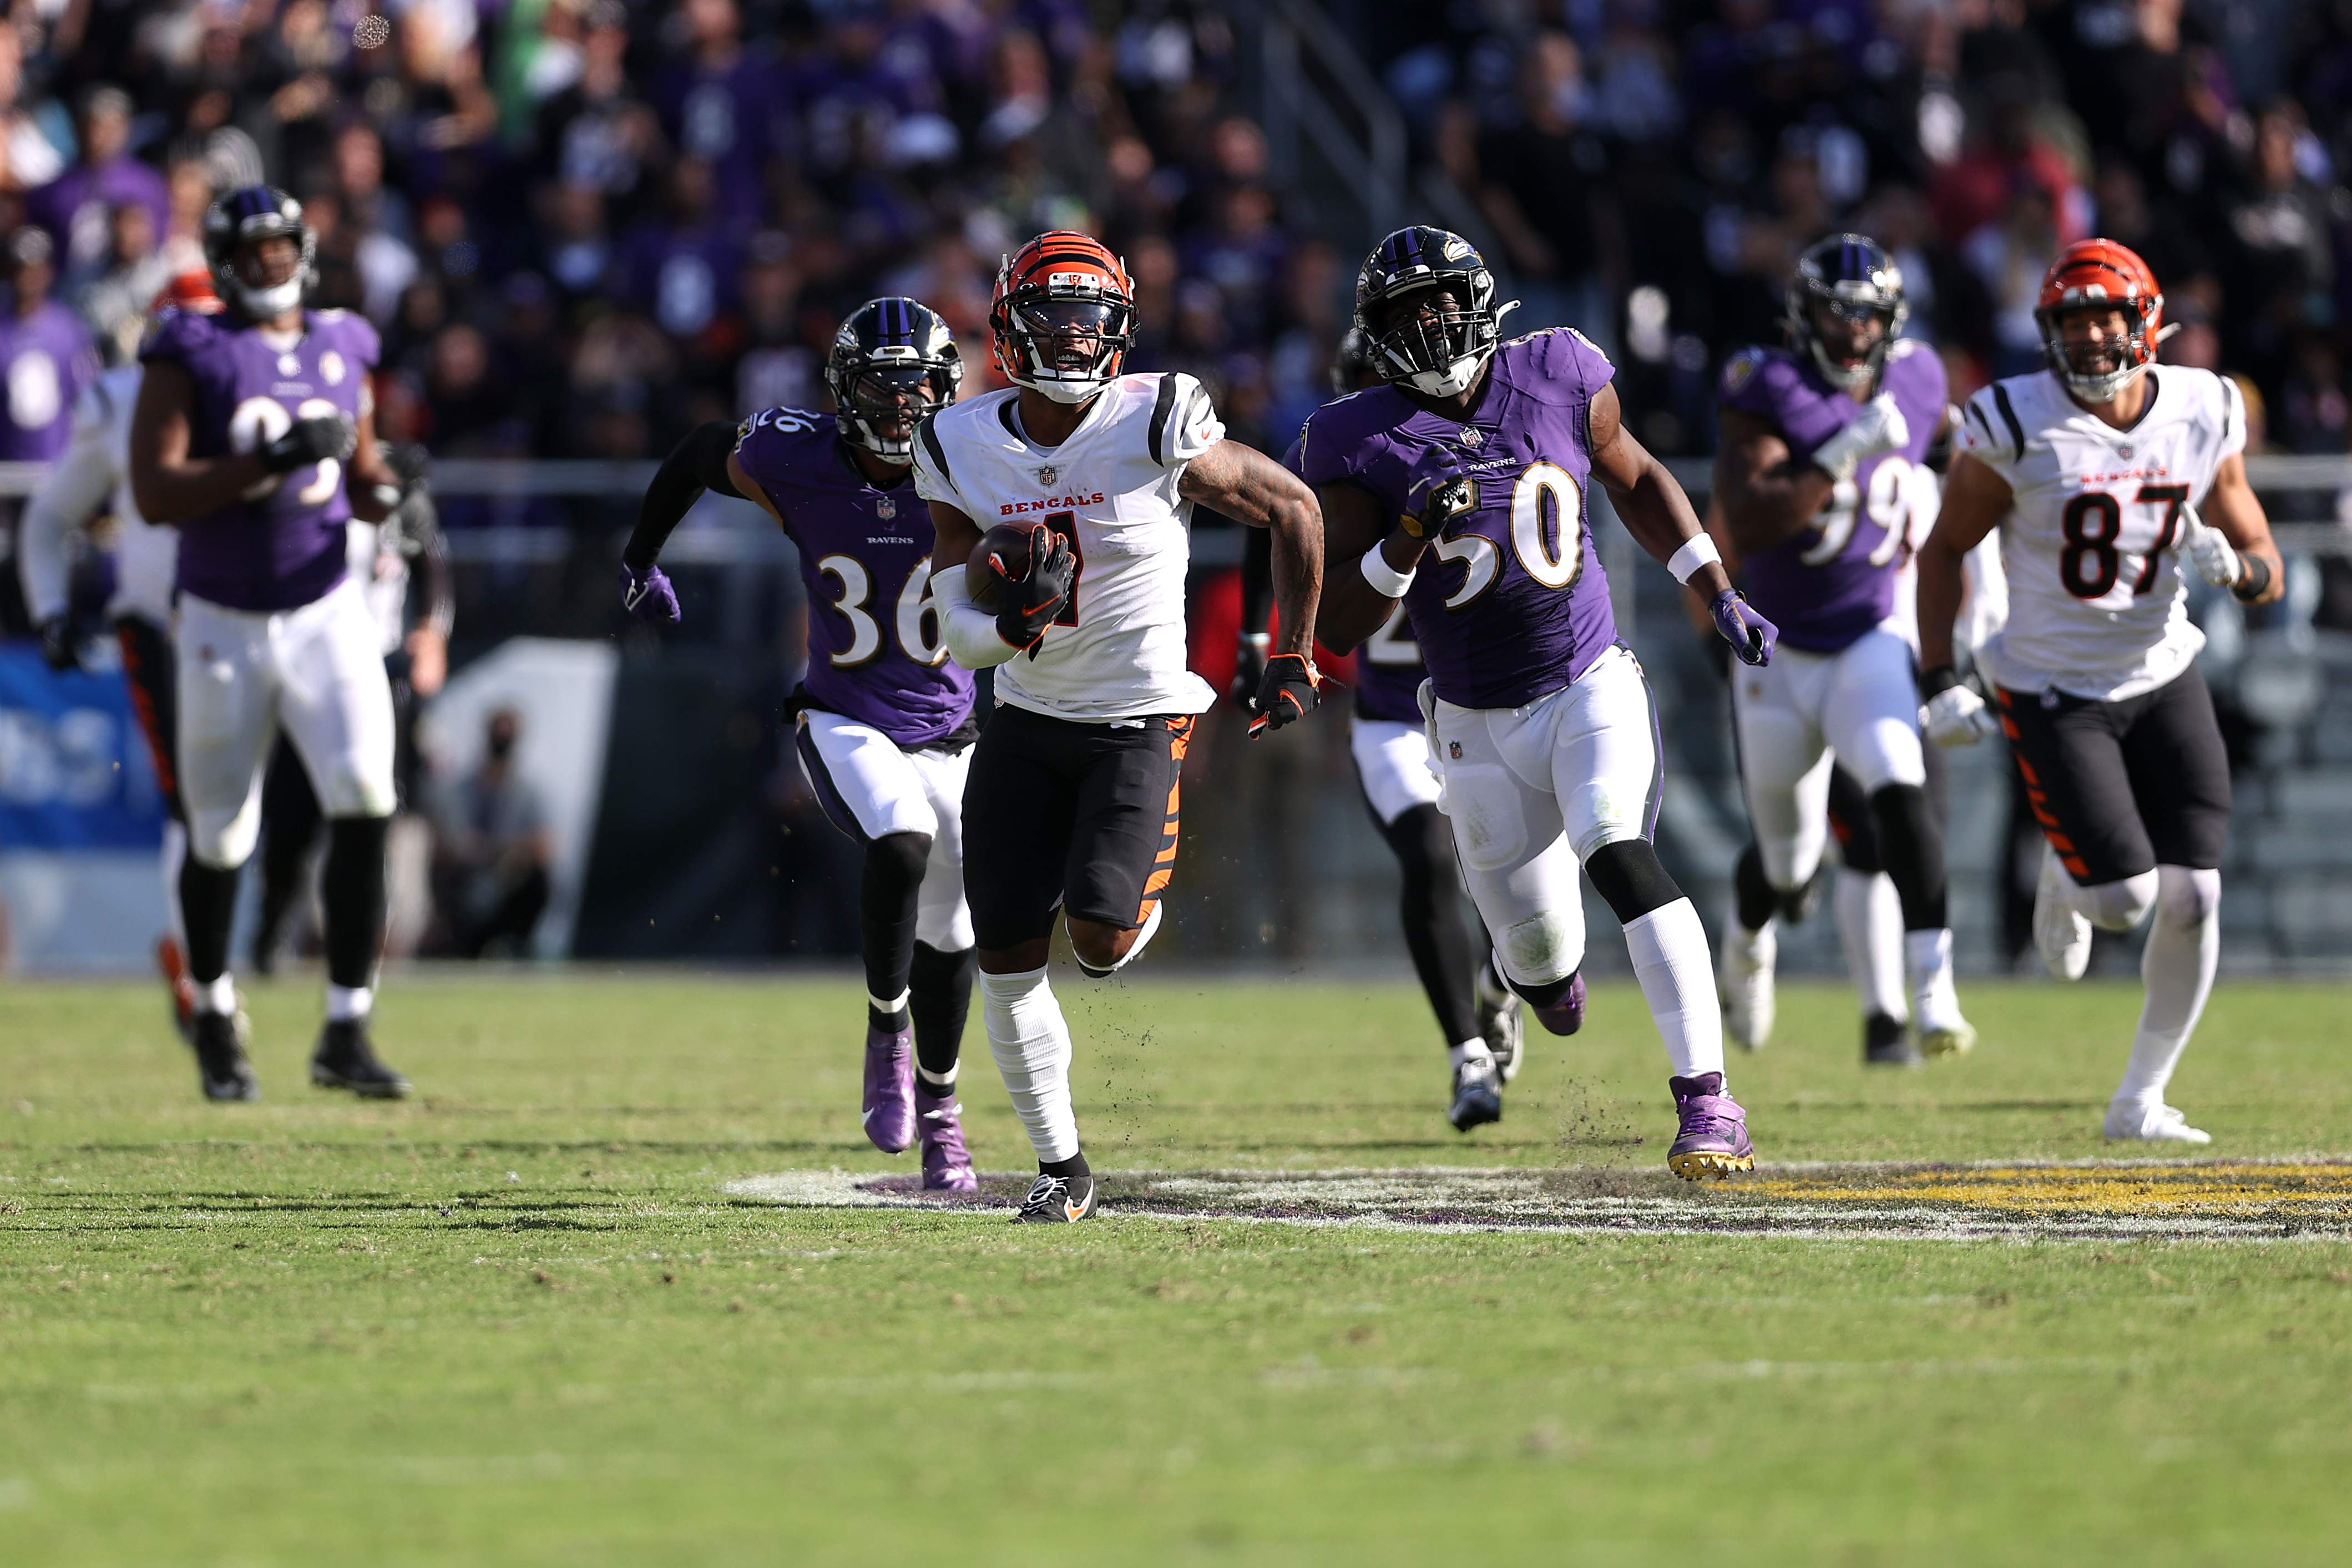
x: 1471, y: 437
x: 1453, y: 750
x: 1048, y: 474
x: 886, y: 508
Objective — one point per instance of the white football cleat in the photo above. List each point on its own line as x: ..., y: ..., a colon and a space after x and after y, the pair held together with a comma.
x: 2061, y: 933
x: 1501, y: 1021
x: 1743, y: 983
x: 2157, y: 1123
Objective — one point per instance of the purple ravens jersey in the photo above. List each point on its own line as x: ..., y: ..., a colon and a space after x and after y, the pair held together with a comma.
x: 1511, y: 602
x: 1389, y: 671
x: 282, y: 544
x: 47, y: 360
x: 876, y: 650
x: 1835, y: 580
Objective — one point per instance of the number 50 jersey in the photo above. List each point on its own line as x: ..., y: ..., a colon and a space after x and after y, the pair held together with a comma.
x: 1119, y: 649
x: 1511, y: 602
x: 2097, y: 605
x: 875, y: 651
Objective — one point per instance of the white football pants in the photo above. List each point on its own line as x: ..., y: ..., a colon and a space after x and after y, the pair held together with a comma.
x: 1801, y: 713
x: 1392, y: 761
x: 1531, y: 791
x: 318, y: 672
x: 885, y: 790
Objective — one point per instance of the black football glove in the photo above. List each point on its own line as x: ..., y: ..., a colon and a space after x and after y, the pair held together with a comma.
x: 1288, y: 690
x: 1032, y: 600
x: 58, y: 643
x: 1249, y: 669
x: 411, y: 522
x: 311, y: 440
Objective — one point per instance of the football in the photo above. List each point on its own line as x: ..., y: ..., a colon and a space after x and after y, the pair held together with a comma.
x: 1007, y: 541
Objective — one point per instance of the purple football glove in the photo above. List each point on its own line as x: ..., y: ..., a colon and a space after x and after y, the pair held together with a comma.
x: 647, y: 595
x: 1751, y: 636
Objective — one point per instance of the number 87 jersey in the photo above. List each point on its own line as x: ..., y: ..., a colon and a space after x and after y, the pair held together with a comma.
x: 2097, y: 604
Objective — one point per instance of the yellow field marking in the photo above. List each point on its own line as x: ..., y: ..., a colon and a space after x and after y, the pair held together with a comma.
x: 2061, y: 1189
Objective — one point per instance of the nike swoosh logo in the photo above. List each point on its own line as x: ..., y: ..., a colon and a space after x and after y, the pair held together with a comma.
x: 867, y: 1117
x: 1077, y: 1211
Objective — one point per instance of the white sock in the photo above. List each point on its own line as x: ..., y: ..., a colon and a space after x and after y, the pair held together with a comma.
x: 349, y: 1004
x: 2184, y: 947
x: 1927, y: 958
x: 1031, y: 1043
x: 1870, y: 927
x: 176, y: 855
x: 1670, y: 959
x: 938, y: 1083
x: 1469, y: 1051
x: 218, y: 996
x: 2114, y: 905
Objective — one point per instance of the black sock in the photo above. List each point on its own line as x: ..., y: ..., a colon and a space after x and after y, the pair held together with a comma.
x: 351, y: 887
x: 1429, y: 909
x: 290, y: 823
x: 1759, y: 899
x: 1075, y: 1165
x: 1913, y: 852
x: 1543, y: 996
x: 207, y: 908
x: 942, y: 982
x: 886, y: 893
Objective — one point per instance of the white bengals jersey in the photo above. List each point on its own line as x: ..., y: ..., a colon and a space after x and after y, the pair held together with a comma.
x: 92, y: 473
x: 1118, y: 652
x: 2097, y: 604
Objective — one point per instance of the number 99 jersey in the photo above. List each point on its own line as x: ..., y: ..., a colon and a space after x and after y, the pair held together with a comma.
x: 281, y: 544
x: 1509, y: 602
x: 2097, y: 605
x: 876, y: 650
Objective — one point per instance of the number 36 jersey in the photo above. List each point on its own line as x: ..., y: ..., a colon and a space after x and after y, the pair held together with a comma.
x: 876, y: 652
x: 2097, y: 605
x: 1119, y: 649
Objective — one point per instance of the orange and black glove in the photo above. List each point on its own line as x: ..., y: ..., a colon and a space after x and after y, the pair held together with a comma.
x: 1288, y: 690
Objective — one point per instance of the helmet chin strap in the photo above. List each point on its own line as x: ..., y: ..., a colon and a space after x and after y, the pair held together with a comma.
x: 263, y: 304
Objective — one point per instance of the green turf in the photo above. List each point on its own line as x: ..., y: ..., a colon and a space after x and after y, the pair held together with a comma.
x: 516, y: 1321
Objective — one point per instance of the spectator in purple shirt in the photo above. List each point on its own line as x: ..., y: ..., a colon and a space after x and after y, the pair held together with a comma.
x: 46, y: 355
x: 75, y: 207
x: 723, y: 106
x: 682, y: 269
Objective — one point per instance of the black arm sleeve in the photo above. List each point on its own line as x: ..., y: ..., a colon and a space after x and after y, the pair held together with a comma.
x: 1258, y: 578
x: 698, y: 464
x: 436, y: 607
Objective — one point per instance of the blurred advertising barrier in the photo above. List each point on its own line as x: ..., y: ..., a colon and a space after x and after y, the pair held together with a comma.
x: 80, y: 819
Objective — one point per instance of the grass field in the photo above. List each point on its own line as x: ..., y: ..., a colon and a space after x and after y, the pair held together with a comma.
x: 550, y: 1313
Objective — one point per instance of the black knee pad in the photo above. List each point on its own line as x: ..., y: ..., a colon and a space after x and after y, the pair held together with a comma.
x: 1629, y: 876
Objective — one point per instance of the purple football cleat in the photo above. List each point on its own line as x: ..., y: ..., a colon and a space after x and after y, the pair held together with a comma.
x: 889, y: 1089
x: 1713, y: 1138
x: 1566, y: 1015
x: 947, y: 1168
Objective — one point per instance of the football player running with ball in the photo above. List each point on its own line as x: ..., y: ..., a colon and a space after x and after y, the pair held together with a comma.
x: 2101, y: 473
x: 1818, y: 474
x: 1459, y: 488
x: 1085, y: 480
x: 255, y: 433
x: 883, y: 721
x: 1474, y: 1008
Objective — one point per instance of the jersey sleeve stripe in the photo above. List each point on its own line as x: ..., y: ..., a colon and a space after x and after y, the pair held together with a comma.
x: 2008, y: 417
x: 2229, y: 412
x: 931, y: 445
x: 1973, y: 412
x: 1160, y: 410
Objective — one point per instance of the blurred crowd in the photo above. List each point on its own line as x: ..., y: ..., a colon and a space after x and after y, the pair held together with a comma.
x: 1658, y: 166
x: 585, y: 225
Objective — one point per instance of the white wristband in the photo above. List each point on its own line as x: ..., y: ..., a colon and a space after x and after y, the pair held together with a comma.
x: 1384, y: 576
x: 1697, y: 552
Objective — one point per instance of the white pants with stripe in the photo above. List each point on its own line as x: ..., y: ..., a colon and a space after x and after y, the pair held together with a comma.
x: 1531, y: 791
x: 856, y: 769
x: 317, y: 672
x: 1804, y: 712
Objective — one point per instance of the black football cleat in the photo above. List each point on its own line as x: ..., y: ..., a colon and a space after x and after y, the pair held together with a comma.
x: 1477, y: 1096
x: 1887, y: 1043
x: 1058, y: 1200
x: 221, y: 1064
x: 345, y: 1060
